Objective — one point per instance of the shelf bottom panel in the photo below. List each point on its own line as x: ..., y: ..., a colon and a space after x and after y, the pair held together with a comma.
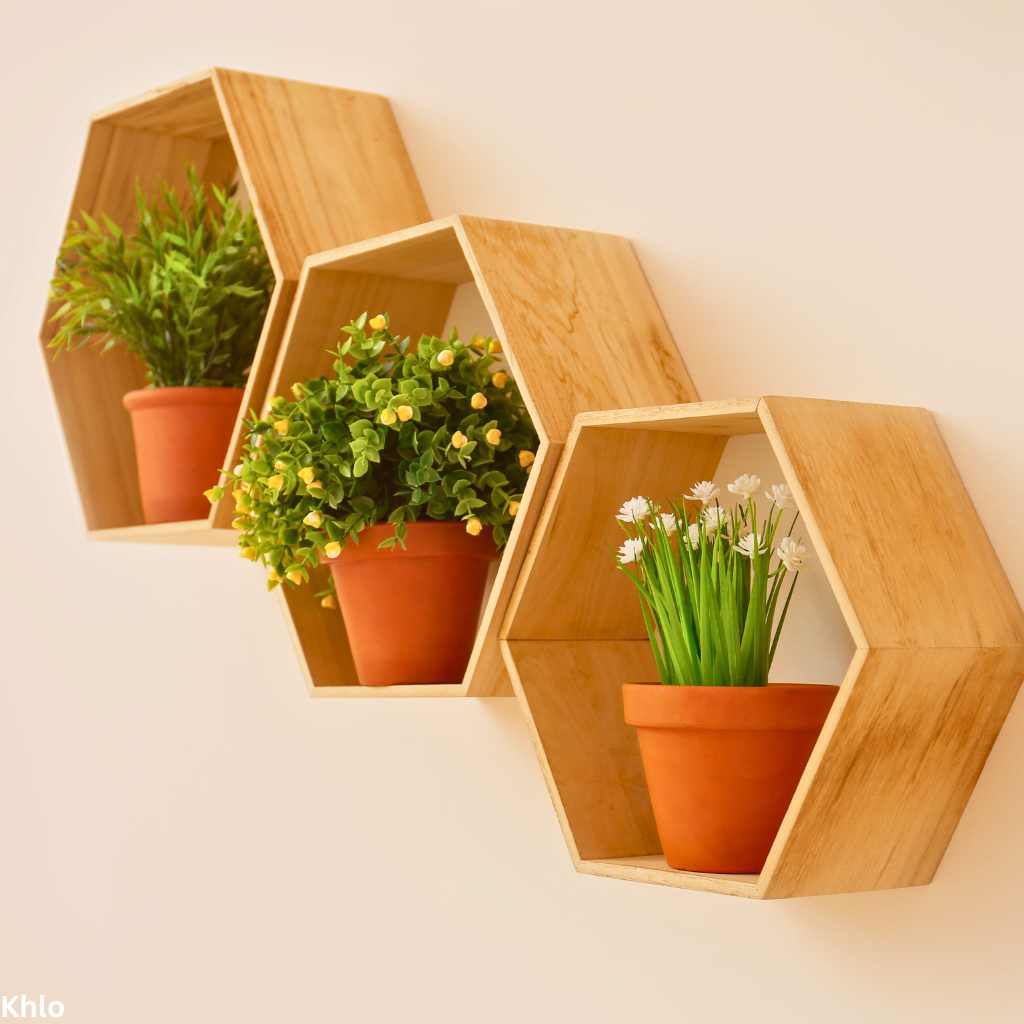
x: 655, y: 870
x: 411, y: 690
x: 194, y: 531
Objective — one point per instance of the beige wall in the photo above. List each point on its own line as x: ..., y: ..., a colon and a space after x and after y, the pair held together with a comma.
x: 826, y: 197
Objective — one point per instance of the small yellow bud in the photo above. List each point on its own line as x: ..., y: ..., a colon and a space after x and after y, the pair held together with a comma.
x: 328, y: 602
x: 474, y: 527
x: 251, y: 553
x: 333, y: 549
x: 277, y: 402
x: 242, y: 505
x: 526, y: 459
x: 280, y: 466
x: 281, y: 426
x: 479, y: 401
x: 387, y: 417
x: 459, y: 439
x: 446, y: 357
x: 315, y: 485
x: 238, y: 494
x: 495, y: 347
x: 273, y: 576
x: 296, y: 577
x: 307, y: 475
x: 275, y: 482
x: 313, y: 519
x: 493, y: 436
x: 379, y: 322
x: 405, y: 413
x: 499, y: 379
x: 298, y: 391
x: 479, y: 343
x: 211, y: 494
x: 513, y: 507
x: 239, y: 523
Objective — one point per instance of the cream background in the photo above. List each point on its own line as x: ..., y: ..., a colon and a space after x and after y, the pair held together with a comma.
x: 826, y: 197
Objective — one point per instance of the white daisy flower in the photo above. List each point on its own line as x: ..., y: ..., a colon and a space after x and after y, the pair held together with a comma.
x: 693, y: 535
x: 745, y: 485
x: 715, y: 518
x: 635, y: 510
x: 780, y: 495
x: 668, y: 520
x: 705, y: 492
x: 792, y: 553
x: 745, y: 545
x: 630, y: 550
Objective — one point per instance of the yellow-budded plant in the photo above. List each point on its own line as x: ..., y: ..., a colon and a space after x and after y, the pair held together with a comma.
x: 403, y: 431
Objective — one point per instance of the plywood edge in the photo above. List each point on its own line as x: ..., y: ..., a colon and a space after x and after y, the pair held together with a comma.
x: 492, y: 622
x: 335, y: 258
x: 277, y: 366
x: 782, y: 837
x: 256, y: 390
x: 494, y: 314
x: 655, y: 871
x: 810, y: 523
x: 651, y: 416
x: 508, y: 652
x: 245, y: 173
x: 471, y: 220
x: 196, y: 532
x: 548, y: 510
x: 152, y: 96
x: 220, y: 69
x: 419, y: 690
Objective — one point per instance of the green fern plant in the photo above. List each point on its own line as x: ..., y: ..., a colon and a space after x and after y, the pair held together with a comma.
x: 186, y: 291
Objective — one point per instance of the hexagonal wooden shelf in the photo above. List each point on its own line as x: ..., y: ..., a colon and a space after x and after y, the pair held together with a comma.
x: 938, y: 631
x: 580, y: 329
x: 320, y: 166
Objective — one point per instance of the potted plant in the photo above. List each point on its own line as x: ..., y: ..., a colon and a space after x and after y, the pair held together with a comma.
x: 186, y: 291
x: 722, y: 749
x: 403, y: 472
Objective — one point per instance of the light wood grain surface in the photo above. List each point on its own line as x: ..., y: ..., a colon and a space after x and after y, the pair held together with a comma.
x: 319, y: 166
x: 573, y: 311
x: 906, y: 554
x: 893, y: 769
x: 938, y: 640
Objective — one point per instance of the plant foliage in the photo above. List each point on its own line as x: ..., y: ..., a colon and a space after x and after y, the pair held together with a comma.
x: 710, y: 587
x: 402, y: 432
x: 186, y: 291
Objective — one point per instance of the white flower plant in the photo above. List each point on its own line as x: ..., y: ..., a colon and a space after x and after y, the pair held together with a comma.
x: 710, y: 584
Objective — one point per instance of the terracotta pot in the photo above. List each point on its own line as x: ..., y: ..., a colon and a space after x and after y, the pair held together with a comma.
x: 722, y: 763
x: 181, y: 442
x: 411, y: 615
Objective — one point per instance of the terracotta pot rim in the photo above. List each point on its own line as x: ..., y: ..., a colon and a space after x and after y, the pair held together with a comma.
x: 151, y: 398
x: 777, y: 706
x: 436, y: 538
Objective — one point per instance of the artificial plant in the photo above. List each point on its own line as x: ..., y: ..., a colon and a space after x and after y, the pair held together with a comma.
x: 710, y: 586
x: 186, y: 290
x: 401, y: 432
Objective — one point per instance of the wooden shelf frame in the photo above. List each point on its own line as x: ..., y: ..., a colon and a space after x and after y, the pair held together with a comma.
x: 938, y: 634
x: 580, y: 329
x: 320, y: 166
